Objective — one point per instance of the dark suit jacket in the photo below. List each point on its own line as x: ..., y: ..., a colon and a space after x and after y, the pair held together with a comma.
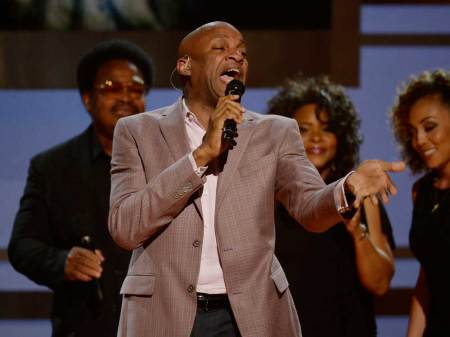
x: 67, y: 196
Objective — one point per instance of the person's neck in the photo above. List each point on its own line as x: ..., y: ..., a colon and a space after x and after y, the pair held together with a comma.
x: 105, y: 142
x: 325, y: 173
x: 443, y: 178
x: 202, y: 110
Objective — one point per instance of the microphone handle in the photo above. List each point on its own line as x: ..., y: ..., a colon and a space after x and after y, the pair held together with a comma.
x: 98, y: 289
x: 229, y: 131
x: 86, y: 242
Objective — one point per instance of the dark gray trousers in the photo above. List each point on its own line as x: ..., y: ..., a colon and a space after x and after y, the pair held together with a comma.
x: 215, y: 323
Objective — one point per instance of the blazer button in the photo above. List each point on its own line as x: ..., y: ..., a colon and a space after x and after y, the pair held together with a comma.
x: 190, y: 289
x: 196, y: 243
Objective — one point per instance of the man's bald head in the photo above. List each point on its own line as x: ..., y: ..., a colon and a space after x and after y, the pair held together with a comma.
x: 209, y: 58
x: 186, y: 46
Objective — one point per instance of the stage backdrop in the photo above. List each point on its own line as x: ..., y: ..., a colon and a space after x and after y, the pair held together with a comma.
x: 31, y: 121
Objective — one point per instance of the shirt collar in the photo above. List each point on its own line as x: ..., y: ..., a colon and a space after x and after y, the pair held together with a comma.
x: 188, y: 115
x: 95, y: 146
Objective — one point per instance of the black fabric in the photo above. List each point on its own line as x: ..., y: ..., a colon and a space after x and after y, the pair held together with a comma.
x: 430, y: 242
x: 219, y: 322
x: 67, y: 196
x: 207, y: 302
x: 323, y: 280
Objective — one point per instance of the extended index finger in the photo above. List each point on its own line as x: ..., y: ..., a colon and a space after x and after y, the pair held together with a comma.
x: 395, y: 166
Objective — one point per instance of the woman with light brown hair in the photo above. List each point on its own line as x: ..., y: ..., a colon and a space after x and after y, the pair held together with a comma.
x: 421, y: 124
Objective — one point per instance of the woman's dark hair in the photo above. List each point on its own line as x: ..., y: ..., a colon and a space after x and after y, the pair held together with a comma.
x: 343, y: 120
x: 427, y: 83
x: 109, y: 50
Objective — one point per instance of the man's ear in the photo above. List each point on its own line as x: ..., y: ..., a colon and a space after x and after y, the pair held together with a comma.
x: 86, y: 98
x: 184, y: 66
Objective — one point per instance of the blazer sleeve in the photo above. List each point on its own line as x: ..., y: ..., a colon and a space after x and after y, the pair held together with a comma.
x: 299, y: 186
x: 140, y: 208
x: 32, y: 250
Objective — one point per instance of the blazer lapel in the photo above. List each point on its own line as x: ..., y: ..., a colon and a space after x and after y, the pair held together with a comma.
x: 234, y: 156
x: 174, y: 132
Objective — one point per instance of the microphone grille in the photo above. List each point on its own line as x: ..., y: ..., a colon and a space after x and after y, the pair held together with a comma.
x: 235, y: 87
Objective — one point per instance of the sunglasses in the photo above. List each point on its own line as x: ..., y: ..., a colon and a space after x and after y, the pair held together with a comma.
x: 111, y: 88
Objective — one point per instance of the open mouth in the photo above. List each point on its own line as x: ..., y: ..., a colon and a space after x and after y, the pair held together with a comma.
x: 124, y: 110
x: 428, y: 153
x: 316, y: 150
x: 230, y: 74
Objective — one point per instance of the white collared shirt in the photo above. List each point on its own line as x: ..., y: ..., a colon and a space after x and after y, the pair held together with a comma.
x: 210, y: 278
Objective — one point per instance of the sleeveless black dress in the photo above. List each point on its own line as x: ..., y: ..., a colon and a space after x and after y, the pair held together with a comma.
x: 430, y: 242
x: 323, y: 279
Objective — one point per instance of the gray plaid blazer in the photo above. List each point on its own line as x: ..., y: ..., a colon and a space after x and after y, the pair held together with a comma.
x: 156, y: 212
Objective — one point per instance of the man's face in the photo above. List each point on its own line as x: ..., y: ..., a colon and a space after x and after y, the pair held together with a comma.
x: 118, y: 91
x: 219, y: 56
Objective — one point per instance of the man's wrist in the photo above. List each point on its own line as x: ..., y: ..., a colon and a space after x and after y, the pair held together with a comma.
x: 200, y: 156
x: 347, y: 212
x: 346, y: 198
x: 349, y: 191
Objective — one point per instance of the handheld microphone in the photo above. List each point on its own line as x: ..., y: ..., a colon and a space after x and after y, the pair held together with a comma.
x: 234, y: 87
x: 86, y: 242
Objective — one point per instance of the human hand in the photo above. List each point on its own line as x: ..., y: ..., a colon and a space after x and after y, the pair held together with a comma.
x: 83, y: 264
x: 355, y: 228
x: 213, y: 144
x: 372, y: 180
x: 352, y: 224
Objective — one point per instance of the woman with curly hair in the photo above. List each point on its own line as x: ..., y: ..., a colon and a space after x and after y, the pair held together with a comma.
x: 421, y: 124
x: 333, y: 275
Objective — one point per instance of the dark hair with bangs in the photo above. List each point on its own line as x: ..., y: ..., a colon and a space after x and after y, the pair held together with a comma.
x: 343, y: 120
x: 110, y: 50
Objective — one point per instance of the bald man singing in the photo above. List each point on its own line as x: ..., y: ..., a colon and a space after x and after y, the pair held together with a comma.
x: 198, y: 213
